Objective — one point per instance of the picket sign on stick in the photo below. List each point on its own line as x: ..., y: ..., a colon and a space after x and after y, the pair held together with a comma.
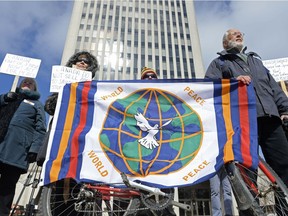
x: 62, y: 75
x: 19, y: 66
x: 15, y: 83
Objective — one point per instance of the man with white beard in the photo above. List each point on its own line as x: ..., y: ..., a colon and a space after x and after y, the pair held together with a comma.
x: 271, y: 102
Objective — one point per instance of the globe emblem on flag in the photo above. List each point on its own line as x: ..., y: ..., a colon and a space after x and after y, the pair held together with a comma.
x: 151, y: 131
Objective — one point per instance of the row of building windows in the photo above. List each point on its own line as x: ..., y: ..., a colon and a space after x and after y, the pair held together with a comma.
x: 134, y: 30
x: 143, y: 38
x: 136, y: 15
x: 149, y: 4
x: 155, y: 22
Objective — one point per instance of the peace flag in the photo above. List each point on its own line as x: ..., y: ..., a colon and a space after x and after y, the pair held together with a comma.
x: 161, y: 133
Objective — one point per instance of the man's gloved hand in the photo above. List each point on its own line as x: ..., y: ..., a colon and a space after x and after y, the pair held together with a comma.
x: 10, y: 96
x: 31, y: 157
x: 285, y: 124
x: 284, y: 119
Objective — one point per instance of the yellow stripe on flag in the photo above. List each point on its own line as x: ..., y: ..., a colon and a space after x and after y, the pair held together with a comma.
x: 56, y: 165
x: 228, y: 151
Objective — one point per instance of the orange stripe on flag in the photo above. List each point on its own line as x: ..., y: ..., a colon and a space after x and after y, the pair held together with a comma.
x: 226, y: 105
x: 56, y: 165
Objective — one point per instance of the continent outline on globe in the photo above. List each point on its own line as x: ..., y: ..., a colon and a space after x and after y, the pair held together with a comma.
x: 173, y: 127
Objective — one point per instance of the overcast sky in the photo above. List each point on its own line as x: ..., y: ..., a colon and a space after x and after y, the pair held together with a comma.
x: 262, y: 22
x: 38, y: 29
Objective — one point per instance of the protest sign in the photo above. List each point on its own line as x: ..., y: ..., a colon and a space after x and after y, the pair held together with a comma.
x: 20, y: 66
x: 62, y: 75
x: 278, y: 68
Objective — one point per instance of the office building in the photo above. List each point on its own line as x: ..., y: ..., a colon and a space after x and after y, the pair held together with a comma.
x: 127, y: 35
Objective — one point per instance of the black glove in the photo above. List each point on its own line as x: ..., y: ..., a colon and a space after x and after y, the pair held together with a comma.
x: 285, y: 124
x: 31, y: 157
x: 10, y: 96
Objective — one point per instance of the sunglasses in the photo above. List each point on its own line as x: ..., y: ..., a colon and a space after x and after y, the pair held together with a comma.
x: 86, y: 61
x: 149, y: 76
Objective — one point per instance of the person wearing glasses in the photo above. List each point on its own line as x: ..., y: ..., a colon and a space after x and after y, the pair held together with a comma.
x: 148, y: 74
x: 82, y: 60
x: 271, y: 102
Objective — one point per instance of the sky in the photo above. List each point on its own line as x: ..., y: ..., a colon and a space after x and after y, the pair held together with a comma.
x: 37, y: 29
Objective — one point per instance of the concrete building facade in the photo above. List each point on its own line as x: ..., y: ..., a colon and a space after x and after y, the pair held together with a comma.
x: 127, y: 35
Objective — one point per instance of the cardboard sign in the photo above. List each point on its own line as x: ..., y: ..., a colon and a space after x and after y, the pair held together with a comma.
x: 62, y: 75
x: 278, y: 68
x: 20, y: 66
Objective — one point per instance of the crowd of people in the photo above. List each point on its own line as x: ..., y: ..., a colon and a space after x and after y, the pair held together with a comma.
x: 24, y: 138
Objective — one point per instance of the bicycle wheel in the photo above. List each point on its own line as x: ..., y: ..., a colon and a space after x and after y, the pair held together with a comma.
x: 57, y: 200
x: 259, y: 192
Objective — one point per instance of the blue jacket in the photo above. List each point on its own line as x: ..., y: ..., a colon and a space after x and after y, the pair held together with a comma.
x: 271, y: 100
x: 25, y: 132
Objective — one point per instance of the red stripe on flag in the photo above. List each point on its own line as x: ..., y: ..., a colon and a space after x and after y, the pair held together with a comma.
x: 75, y: 139
x: 244, y: 124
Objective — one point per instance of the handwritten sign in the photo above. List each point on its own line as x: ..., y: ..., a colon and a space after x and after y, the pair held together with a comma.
x: 20, y: 66
x: 278, y: 68
x: 62, y: 75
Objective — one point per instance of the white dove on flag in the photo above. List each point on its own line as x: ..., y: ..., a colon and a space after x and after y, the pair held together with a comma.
x: 149, y: 141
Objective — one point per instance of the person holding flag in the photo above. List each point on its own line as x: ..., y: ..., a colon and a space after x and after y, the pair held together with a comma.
x: 82, y: 60
x: 150, y: 74
x: 271, y: 102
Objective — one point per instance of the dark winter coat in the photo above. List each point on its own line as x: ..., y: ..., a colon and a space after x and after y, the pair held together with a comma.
x: 25, y: 132
x: 271, y: 100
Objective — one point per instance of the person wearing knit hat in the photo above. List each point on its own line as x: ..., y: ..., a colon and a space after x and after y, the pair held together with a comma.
x: 148, y: 73
x: 151, y: 74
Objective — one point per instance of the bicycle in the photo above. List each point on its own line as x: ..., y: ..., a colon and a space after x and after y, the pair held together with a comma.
x: 98, y: 199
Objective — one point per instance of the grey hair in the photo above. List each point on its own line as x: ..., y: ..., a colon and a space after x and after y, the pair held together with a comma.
x: 225, y: 36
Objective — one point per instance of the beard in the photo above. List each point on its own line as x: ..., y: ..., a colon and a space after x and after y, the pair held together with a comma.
x: 235, y: 44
